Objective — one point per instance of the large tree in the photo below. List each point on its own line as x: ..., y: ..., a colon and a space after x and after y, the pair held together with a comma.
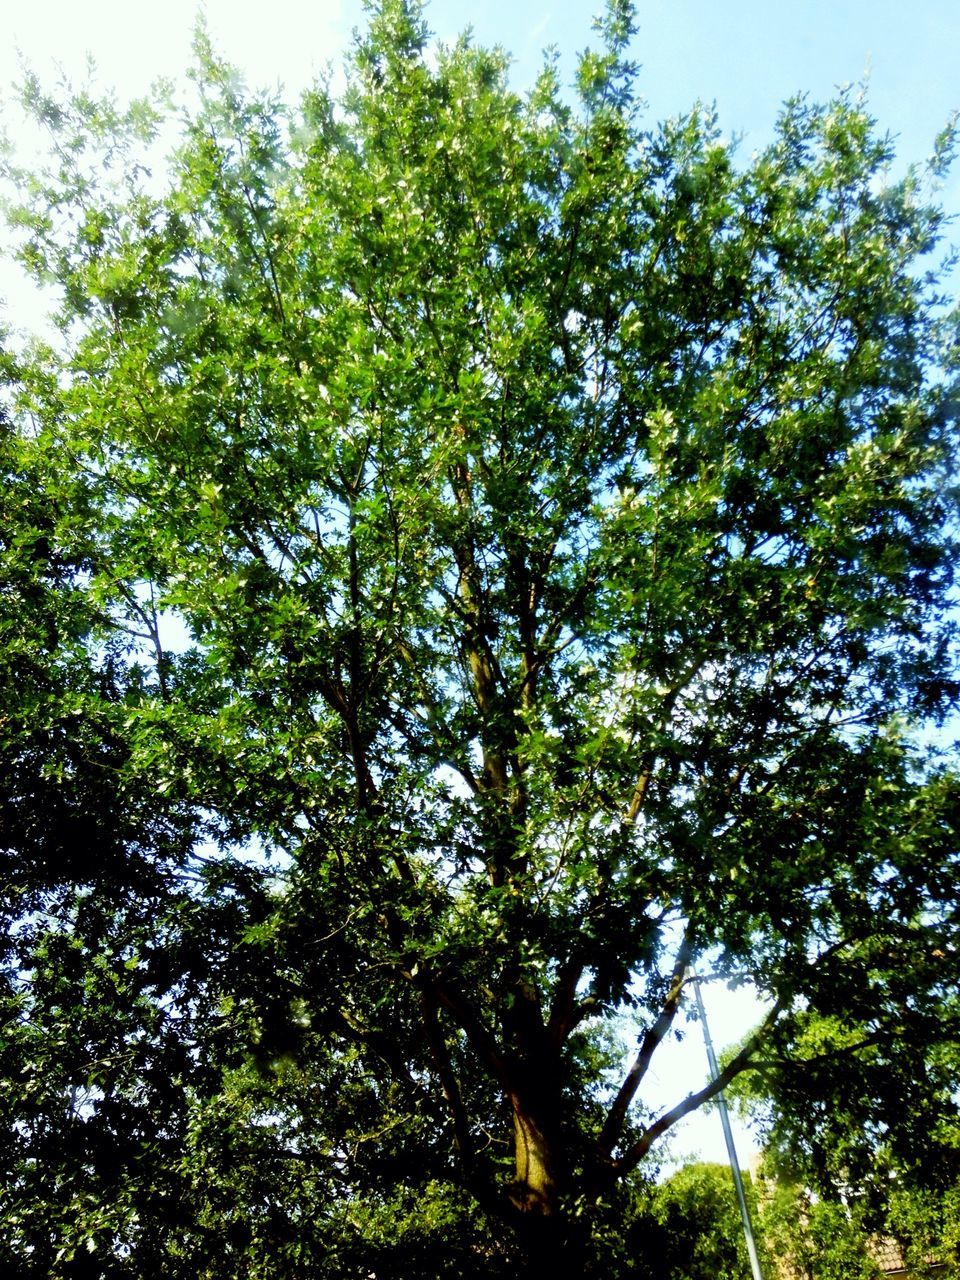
x: 560, y: 511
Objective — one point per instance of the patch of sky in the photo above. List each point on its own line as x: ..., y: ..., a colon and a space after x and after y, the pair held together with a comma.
x: 679, y: 1066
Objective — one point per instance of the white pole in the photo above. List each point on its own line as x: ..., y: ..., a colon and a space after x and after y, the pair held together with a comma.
x: 692, y: 977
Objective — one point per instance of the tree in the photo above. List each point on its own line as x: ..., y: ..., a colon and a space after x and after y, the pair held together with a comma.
x: 698, y: 1232
x: 561, y: 513
x: 859, y: 1121
x: 833, y: 1235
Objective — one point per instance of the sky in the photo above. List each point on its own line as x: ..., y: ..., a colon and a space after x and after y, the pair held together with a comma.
x: 747, y: 56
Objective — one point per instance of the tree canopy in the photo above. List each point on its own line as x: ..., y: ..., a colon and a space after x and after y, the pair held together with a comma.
x: 469, y: 555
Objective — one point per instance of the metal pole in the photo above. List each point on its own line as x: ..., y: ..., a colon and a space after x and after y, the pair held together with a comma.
x: 727, y: 1131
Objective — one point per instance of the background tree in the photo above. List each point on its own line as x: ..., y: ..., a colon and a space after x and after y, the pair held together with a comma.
x: 872, y: 1159
x: 840, y: 1231
x: 692, y: 1228
x: 561, y: 512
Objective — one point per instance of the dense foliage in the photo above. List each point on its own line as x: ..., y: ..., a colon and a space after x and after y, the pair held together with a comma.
x: 468, y: 556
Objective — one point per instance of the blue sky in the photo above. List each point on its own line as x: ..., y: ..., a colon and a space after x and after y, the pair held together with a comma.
x: 749, y: 56
x: 746, y: 55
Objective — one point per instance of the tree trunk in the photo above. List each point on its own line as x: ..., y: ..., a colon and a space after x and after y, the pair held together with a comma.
x: 534, y: 1191
x: 551, y: 1241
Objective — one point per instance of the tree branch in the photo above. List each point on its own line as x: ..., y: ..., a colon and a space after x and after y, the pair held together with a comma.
x: 616, y: 1117
x: 440, y: 1057
x: 470, y: 1023
x: 740, y: 1062
x: 563, y: 1010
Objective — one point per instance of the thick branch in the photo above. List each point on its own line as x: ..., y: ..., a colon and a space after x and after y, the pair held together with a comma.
x: 480, y: 1037
x: 563, y: 1010
x: 668, y: 1119
x: 616, y: 1117
x: 440, y: 1057
x: 435, y: 719
x: 843, y: 1051
x: 632, y: 811
x: 486, y: 679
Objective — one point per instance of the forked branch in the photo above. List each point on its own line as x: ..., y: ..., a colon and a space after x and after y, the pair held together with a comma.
x: 740, y: 1062
x: 616, y: 1117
